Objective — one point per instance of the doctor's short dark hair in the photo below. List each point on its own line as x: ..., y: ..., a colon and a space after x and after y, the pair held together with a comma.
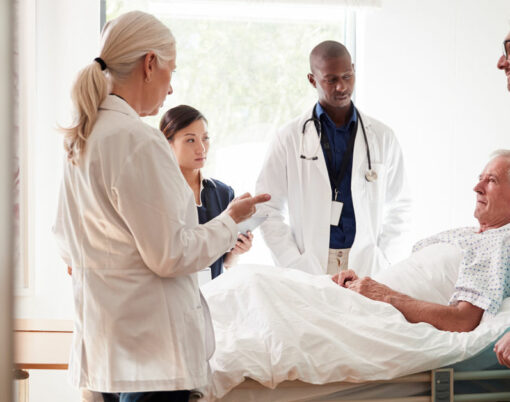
x: 177, y: 118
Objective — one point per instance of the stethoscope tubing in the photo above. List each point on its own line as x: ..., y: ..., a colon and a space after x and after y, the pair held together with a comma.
x: 366, y: 139
x: 319, y: 124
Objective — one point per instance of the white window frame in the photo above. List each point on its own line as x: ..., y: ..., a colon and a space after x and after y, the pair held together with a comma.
x: 24, y: 127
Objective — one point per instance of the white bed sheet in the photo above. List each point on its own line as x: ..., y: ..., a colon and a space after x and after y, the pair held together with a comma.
x: 275, y: 324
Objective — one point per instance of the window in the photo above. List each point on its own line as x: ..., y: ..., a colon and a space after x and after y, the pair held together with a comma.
x: 244, y: 66
x: 24, y: 56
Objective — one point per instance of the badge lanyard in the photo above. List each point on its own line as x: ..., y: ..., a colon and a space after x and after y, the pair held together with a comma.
x: 337, y: 206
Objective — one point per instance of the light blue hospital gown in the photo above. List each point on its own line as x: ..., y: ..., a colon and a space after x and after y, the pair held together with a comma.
x: 484, y: 273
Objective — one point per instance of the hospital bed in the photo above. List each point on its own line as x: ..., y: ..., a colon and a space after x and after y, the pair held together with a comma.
x: 437, y: 385
x: 479, y: 378
x: 269, y: 348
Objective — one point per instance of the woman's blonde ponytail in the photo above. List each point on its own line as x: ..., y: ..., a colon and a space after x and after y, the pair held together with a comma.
x: 89, y: 91
x: 125, y: 40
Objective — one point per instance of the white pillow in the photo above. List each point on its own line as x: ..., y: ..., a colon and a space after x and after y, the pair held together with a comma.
x: 429, y: 274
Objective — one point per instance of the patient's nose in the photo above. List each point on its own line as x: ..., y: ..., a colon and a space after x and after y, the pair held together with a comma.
x: 502, y: 62
x: 479, y: 187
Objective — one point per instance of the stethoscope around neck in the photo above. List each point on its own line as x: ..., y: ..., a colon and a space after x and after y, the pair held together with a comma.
x: 370, y: 174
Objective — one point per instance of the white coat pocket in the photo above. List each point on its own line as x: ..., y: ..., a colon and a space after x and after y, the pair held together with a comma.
x: 375, y: 189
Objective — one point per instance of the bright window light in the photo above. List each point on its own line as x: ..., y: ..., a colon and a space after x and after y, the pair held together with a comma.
x: 244, y: 65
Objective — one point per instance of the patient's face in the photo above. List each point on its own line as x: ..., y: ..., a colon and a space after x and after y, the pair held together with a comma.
x: 503, y: 62
x: 493, y: 194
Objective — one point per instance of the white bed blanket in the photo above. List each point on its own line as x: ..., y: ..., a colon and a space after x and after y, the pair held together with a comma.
x: 274, y: 324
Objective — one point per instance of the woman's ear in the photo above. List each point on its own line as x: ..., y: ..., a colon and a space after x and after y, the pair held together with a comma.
x: 149, y: 64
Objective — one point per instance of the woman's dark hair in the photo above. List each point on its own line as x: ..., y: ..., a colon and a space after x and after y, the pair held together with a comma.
x: 177, y: 118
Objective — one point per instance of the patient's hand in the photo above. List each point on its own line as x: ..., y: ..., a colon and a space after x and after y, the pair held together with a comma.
x: 344, y: 277
x: 369, y: 288
x: 502, y: 350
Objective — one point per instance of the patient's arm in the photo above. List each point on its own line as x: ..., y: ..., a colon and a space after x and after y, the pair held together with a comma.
x: 461, y: 317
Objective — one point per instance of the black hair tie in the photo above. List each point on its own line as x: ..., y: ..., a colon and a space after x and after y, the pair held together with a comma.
x: 101, y: 63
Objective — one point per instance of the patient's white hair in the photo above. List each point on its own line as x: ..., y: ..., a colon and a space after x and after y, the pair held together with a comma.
x: 505, y: 153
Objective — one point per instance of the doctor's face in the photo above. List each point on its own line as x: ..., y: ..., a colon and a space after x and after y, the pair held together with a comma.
x: 334, y: 80
x: 191, y: 145
x: 503, y: 63
x: 493, y: 194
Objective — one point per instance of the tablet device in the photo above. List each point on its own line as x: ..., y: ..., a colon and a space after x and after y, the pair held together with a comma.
x: 250, y: 224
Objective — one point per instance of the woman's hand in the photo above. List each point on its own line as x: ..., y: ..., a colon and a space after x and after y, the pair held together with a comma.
x: 243, y: 244
x: 241, y: 208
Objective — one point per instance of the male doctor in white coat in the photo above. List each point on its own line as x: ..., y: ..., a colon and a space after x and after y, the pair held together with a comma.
x: 345, y: 211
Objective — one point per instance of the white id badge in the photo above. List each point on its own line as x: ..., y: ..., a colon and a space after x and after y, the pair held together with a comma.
x: 336, y: 211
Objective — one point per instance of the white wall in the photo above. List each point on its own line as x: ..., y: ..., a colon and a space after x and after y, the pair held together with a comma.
x: 6, y: 127
x: 66, y: 39
x: 428, y: 70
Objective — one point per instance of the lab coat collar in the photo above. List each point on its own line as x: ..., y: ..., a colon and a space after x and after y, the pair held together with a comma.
x: 367, y: 121
x: 117, y: 104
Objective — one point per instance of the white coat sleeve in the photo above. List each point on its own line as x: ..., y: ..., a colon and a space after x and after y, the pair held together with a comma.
x: 59, y: 229
x: 153, y: 200
x: 273, y: 180
x: 392, y: 239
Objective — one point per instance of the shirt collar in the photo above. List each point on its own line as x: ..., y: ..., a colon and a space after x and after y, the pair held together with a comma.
x: 319, y: 111
x: 118, y: 104
x: 206, y: 182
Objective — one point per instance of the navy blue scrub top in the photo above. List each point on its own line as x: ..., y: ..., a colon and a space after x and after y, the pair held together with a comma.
x: 341, y: 236
x: 215, y: 197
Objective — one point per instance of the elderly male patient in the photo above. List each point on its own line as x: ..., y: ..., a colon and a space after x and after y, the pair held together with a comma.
x: 484, y: 274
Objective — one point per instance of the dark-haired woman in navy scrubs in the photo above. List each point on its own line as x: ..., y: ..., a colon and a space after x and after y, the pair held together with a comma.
x: 186, y: 130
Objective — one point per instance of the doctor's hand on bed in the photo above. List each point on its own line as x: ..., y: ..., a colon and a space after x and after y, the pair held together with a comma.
x: 502, y: 350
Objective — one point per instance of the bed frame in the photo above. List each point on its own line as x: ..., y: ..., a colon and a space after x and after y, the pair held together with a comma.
x: 441, y: 384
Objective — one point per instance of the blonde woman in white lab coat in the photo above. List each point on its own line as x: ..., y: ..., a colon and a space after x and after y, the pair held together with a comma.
x: 127, y: 225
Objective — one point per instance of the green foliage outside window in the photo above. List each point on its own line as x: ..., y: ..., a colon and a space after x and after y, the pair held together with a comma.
x: 247, y: 77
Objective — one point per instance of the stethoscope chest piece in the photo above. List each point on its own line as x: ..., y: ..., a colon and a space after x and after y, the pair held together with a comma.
x: 371, y: 175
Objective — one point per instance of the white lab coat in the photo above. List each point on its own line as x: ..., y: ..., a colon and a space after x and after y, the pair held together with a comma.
x: 382, y: 208
x: 127, y: 224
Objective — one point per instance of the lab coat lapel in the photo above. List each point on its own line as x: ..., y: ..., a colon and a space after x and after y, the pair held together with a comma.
x: 316, y: 197
x: 311, y: 142
x: 359, y: 160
